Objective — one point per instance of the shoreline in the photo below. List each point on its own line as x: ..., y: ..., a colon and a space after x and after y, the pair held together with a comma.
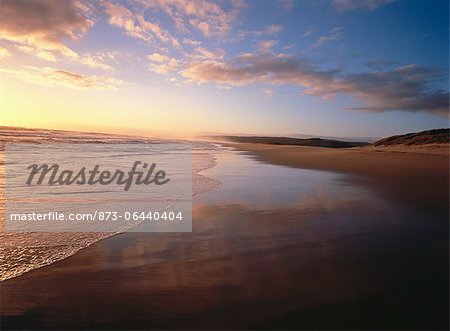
x: 352, y: 257
x: 417, y: 176
x: 201, y: 184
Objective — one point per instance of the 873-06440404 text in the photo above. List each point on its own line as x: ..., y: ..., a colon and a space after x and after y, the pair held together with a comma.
x: 99, y: 216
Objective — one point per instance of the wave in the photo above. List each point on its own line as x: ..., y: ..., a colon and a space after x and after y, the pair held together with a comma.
x: 24, y: 252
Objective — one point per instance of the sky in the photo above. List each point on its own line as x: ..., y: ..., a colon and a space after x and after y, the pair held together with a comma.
x: 341, y: 68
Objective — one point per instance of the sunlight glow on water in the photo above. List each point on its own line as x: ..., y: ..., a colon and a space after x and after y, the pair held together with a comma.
x: 22, y: 252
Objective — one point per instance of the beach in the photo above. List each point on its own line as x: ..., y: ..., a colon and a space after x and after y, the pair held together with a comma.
x: 224, y: 165
x: 417, y: 176
x: 278, y: 246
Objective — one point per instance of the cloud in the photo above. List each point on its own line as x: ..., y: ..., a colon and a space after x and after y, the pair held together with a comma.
x: 309, y: 31
x: 266, y: 45
x: 122, y: 17
x: 98, y: 60
x: 162, y: 64
x: 4, y: 53
x: 408, y: 88
x: 40, y: 27
x: 157, y: 57
x: 208, y: 17
x: 43, y: 25
x: 58, y: 77
x: 191, y: 42
x: 204, y: 53
x: 286, y: 5
x: 135, y: 25
x: 262, y: 68
x: 269, y: 92
x: 381, y: 64
x: 333, y: 35
x: 139, y: 19
x: 289, y: 46
x: 274, y: 29
x: 347, y: 5
x: 41, y: 54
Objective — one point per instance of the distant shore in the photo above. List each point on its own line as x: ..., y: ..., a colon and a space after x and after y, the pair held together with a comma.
x: 414, y: 175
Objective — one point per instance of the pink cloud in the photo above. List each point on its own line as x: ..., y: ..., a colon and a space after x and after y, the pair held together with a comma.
x: 42, y: 25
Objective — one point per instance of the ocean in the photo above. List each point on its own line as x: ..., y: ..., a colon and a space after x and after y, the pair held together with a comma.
x: 25, y: 251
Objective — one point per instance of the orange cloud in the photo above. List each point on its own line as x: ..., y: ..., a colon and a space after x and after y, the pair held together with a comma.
x: 58, y: 77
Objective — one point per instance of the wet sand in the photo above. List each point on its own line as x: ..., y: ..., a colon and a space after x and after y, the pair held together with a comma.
x: 372, y: 280
x: 312, y: 261
x: 416, y: 176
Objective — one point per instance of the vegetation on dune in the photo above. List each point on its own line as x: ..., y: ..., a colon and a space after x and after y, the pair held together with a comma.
x: 438, y: 136
x: 318, y: 142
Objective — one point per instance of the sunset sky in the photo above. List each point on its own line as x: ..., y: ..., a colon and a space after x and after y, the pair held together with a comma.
x: 365, y: 68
